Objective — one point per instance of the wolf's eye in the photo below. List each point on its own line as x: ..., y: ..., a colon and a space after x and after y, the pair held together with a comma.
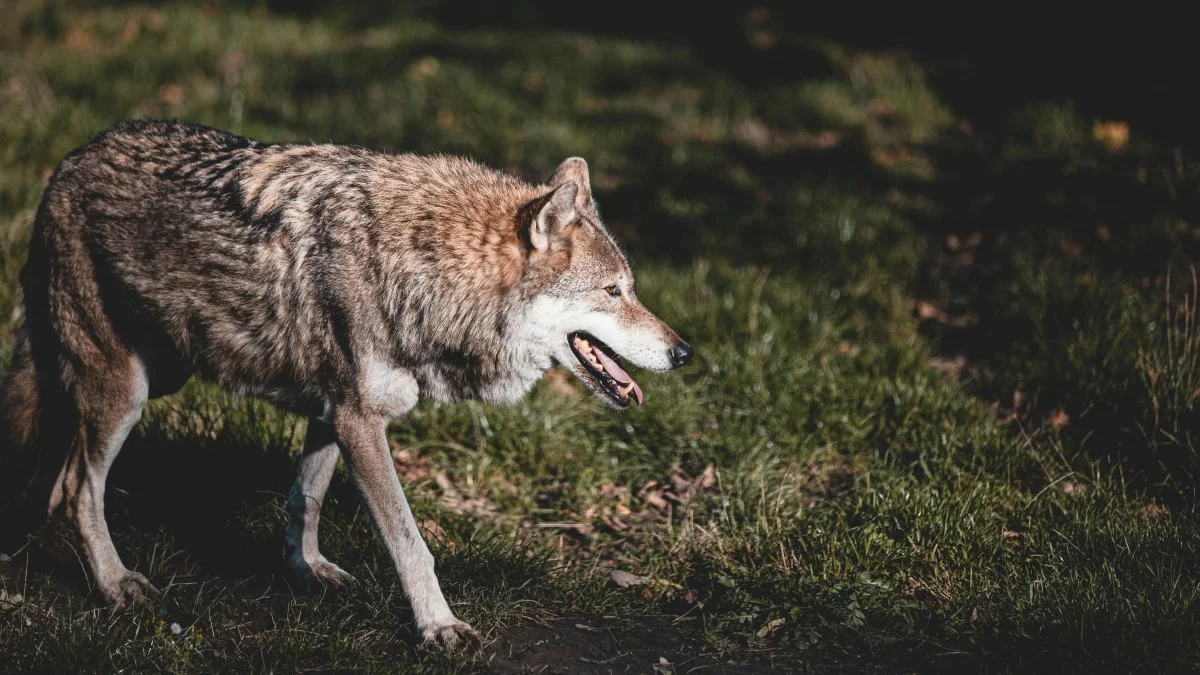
x: 614, y: 290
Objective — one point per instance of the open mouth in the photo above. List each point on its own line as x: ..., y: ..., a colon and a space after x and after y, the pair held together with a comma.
x: 600, y: 363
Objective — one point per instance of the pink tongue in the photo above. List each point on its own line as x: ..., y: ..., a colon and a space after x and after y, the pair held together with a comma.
x: 618, y: 373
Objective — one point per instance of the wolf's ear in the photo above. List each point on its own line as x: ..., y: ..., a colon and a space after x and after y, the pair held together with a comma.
x: 557, y: 213
x: 575, y: 170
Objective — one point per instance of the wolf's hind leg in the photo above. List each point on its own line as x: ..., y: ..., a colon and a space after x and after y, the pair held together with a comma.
x: 20, y: 409
x: 109, y: 401
x: 305, y: 564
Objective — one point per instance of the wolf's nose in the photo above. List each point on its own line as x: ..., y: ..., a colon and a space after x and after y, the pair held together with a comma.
x: 681, y: 354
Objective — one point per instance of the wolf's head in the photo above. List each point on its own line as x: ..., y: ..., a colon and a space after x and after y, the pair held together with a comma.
x: 586, y: 313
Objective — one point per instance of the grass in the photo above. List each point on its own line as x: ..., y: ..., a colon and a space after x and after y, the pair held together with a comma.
x: 942, y: 417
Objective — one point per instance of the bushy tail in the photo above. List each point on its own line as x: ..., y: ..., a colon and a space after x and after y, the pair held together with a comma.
x: 19, y: 416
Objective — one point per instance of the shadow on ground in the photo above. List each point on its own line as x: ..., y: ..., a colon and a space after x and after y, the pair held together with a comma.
x: 609, y: 644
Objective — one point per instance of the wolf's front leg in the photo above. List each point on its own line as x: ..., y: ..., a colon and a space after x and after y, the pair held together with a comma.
x: 305, y: 563
x: 362, y: 438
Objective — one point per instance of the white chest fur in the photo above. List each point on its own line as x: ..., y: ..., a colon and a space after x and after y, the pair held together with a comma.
x: 388, y: 390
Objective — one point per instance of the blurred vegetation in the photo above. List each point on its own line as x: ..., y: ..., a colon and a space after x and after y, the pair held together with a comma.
x: 944, y: 413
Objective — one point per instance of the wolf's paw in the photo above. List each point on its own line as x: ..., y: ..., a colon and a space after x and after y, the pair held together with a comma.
x: 451, y: 635
x: 325, y: 572
x: 127, y: 590
x: 318, y: 573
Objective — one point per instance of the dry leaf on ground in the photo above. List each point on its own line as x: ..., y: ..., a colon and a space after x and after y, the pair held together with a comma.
x: 626, y: 579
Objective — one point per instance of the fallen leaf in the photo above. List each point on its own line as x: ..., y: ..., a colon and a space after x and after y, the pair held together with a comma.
x: 582, y: 530
x: 1058, y: 419
x: 455, y: 502
x: 443, y: 481
x: 625, y: 579
x: 1072, y: 488
x: 615, y: 524
x: 610, y: 490
x: 431, y: 528
x: 410, y: 467
x: 1114, y: 136
x: 926, y: 310
x: 656, y: 500
x: 770, y: 627
x: 10, y: 602
x: 680, y: 484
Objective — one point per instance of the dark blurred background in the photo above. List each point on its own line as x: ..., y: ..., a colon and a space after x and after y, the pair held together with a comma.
x: 1136, y: 66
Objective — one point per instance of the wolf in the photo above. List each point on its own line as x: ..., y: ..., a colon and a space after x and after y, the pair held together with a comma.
x: 339, y: 283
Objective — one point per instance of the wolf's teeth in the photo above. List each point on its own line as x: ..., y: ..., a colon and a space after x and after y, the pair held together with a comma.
x: 625, y: 389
